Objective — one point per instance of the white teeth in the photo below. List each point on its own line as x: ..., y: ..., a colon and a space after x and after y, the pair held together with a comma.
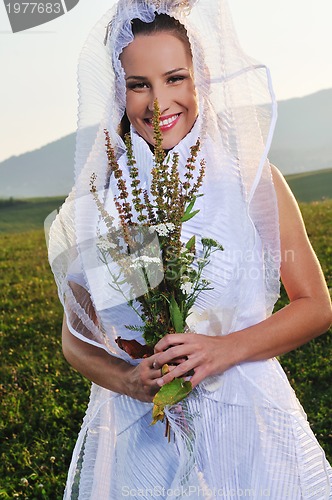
x: 167, y: 121
x: 162, y: 123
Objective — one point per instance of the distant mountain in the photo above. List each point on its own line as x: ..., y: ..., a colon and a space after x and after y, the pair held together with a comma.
x: 303, y: 137
x: 302, y: 142
x: 47, y: 171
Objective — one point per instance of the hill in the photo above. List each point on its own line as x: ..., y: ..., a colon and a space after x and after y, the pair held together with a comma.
x: 17, y: 215
x: 311, y: 186
x: 25, y: 215
x: 302, y: 142
x: 47, y: 171
x: 303, y: 136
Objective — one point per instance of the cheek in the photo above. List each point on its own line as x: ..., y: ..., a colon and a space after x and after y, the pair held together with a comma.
x: 192, y: 106
x: 195, y: 104
x: 133, y: 106
x: 190, y: 97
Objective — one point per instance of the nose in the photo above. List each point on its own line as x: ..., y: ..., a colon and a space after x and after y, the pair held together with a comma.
x: 162, y: 96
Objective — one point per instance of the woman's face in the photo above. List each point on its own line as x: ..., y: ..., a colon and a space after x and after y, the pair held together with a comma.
x: 159, y: 66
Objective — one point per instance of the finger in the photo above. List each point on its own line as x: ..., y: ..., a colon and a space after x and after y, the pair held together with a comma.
x: 171, y: 339
x: 179, y: 360
x: 196, y: 378
x: 159, y: 371
x: 178, y: 371
x: 153, y: 374
x: 173, y: 354
x: 171, y: 367
x: 153, y: 362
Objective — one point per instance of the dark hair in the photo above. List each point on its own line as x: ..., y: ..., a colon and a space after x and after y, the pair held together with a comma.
x: 161, y: 23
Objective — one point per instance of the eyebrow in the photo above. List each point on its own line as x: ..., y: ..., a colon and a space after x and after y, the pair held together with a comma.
x: 143, y: 78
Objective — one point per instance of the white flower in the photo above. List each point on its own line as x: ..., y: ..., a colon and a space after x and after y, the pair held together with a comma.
x: 149, y: 260
x: 186, y: 287
x: 163, y: 229
x: 170, y: 226
x: 143, y: 260
x: 190, y: 255
x: 187, y: 258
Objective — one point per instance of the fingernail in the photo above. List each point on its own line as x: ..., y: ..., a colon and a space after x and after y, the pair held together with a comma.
x: 160, y: 382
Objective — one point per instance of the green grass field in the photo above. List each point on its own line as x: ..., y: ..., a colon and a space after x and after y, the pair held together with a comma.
x: 311, y: 186
x: 26, y: 215
x: 43, y: 400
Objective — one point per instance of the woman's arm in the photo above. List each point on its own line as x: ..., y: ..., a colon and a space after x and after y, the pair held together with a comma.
x: 112, y: 373
x: 307, y: 316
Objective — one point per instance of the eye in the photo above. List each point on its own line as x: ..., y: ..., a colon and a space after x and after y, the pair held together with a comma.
x: 137, y: 86
x: 176, y: 79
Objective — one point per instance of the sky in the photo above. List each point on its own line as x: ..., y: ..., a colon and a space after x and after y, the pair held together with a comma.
x: 38, y: 97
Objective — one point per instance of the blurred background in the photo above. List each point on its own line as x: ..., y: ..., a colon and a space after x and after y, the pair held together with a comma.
x: 38, y: 97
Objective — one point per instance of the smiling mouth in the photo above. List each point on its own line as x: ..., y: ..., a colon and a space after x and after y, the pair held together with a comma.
x: 164, y: 123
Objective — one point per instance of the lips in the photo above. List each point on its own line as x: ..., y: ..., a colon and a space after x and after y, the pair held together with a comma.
x: 166, y: 122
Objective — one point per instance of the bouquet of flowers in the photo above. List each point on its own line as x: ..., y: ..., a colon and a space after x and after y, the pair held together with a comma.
x: 158, y: 274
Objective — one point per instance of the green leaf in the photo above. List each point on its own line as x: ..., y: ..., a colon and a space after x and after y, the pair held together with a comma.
x: 169, y: 394
x: 188, y: 215
x: 176, y: 316
x: 191, y: 205
x: 190, y: 245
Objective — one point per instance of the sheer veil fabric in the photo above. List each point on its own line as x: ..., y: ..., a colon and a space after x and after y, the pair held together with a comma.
x: 243, y: 430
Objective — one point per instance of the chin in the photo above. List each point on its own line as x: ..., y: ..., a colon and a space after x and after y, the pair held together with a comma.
x: 170, y: 143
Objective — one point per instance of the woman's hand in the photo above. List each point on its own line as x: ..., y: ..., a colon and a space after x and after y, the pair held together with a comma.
x: 110, y: 372
x: 142, y: 379
x: 192, y: 351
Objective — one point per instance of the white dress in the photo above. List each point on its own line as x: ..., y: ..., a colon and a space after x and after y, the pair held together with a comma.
x: 240, y: 434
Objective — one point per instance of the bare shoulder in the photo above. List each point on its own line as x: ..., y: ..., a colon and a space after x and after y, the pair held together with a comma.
x: 277, y: 175
x: 289, y: 212
x: 284, y: 193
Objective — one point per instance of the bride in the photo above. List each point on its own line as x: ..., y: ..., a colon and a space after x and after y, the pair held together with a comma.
x: 242, y: 431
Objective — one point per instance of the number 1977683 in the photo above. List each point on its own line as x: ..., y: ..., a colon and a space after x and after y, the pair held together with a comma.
x: 34, y: 7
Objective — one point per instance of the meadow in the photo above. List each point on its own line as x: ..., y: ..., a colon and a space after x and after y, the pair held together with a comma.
x: 43, y: 400
x: 311, y: 186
